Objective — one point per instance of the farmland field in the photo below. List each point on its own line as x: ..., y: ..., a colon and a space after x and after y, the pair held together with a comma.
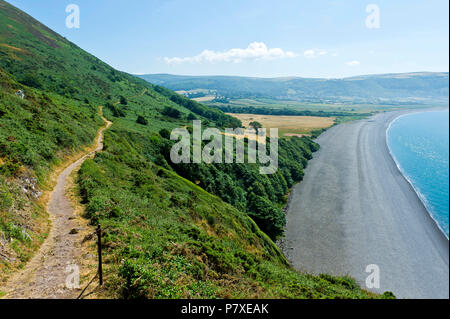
x: 204, y: 98
x: 287, y: 124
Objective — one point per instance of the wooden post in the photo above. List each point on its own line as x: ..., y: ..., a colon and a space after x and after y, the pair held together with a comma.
x: 99, y: 244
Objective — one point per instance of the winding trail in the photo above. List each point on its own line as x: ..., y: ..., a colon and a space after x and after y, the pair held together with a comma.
x: 45, y: 275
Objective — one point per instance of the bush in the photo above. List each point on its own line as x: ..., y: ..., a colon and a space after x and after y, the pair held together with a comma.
x: 6, y: 198
x: 171, y: 112
x: 31, y: 80
x: 211, y: 220
x: 141, y: 120
x: 115, y: 110
x: 161, y: 161
x: 123, y: 100
x: 10, y: 168
x: 165, y: 133
x: 191, y: 117
x: 135, y: 277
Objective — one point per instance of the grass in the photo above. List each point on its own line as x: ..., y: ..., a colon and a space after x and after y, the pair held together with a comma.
x: 36, y: 135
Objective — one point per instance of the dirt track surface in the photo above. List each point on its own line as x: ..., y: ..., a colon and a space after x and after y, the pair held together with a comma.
x: 45, y: 275
x: 354, y: 208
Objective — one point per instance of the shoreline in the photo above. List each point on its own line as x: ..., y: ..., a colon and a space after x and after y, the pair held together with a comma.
x: 421, y: 197
x: 355, y: 207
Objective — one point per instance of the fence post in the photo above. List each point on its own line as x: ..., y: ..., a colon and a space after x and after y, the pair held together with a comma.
x: 99, y: 245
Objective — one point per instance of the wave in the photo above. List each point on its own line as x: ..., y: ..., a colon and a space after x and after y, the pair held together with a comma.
x: 421, y: 197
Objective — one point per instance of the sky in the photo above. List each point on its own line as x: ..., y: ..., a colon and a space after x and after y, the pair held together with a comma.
x: 329, y: 39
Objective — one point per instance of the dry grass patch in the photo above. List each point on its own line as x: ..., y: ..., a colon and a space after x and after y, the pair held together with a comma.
x: 204, y: 98
x: 287, y: 125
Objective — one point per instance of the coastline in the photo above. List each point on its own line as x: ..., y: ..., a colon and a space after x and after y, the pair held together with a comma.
x: 355, y: 207
x: 416, y: 190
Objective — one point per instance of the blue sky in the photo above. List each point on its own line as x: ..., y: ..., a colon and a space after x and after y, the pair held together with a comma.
x: 256, y: 37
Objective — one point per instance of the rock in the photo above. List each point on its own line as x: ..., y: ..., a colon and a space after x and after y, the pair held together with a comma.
x: 20, y: 94
x: 88, y: 256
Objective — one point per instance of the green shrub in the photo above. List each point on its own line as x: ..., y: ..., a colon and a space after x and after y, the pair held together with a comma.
x: 135, y: 278
x: 6, y: 198
x: 123, y: 100
x: 171, y: 112
x: 31, y: 80
x: 191, y: 117
x: 116, y: 112
x: 141, y: 120
x: 165, y: 133
x: 10, y: 168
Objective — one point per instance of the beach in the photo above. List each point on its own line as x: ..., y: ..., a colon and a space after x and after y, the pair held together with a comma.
x: 354, y: 208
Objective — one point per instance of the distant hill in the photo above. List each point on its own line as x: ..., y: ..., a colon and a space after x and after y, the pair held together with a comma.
x: 384, y: 89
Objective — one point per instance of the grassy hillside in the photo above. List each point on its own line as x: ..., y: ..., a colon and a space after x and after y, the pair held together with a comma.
x: 36, y: 133
x: 386, y: 89
x: 170, y: 230
x: 165, y: 237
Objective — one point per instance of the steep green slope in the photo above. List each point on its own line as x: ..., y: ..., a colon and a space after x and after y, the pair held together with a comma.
x: 36, y: 133
x: 165, y: 236
x: 63, y: 87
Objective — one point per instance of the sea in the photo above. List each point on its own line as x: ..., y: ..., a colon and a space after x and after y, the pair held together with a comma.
x: 419, y: 143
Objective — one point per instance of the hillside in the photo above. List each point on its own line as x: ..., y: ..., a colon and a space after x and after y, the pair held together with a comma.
x: 385, y: 89
x: 170, y: 231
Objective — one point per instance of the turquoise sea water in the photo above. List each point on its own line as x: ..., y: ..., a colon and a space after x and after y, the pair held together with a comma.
x: 419, y: 143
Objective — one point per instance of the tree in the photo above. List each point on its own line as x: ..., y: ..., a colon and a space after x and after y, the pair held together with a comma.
x: 171, y: 112
x: 267, y: 216
x: 256, y: 125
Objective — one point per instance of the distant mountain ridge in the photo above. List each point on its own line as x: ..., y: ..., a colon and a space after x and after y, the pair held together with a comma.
x: 390, y: 89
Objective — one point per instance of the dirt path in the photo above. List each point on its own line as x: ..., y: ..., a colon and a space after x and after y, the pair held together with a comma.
x: 45, y: 275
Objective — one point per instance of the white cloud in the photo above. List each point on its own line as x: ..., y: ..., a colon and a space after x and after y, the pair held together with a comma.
x: 255, y: 51
x: 353, y: 63
x: 313, y: 53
